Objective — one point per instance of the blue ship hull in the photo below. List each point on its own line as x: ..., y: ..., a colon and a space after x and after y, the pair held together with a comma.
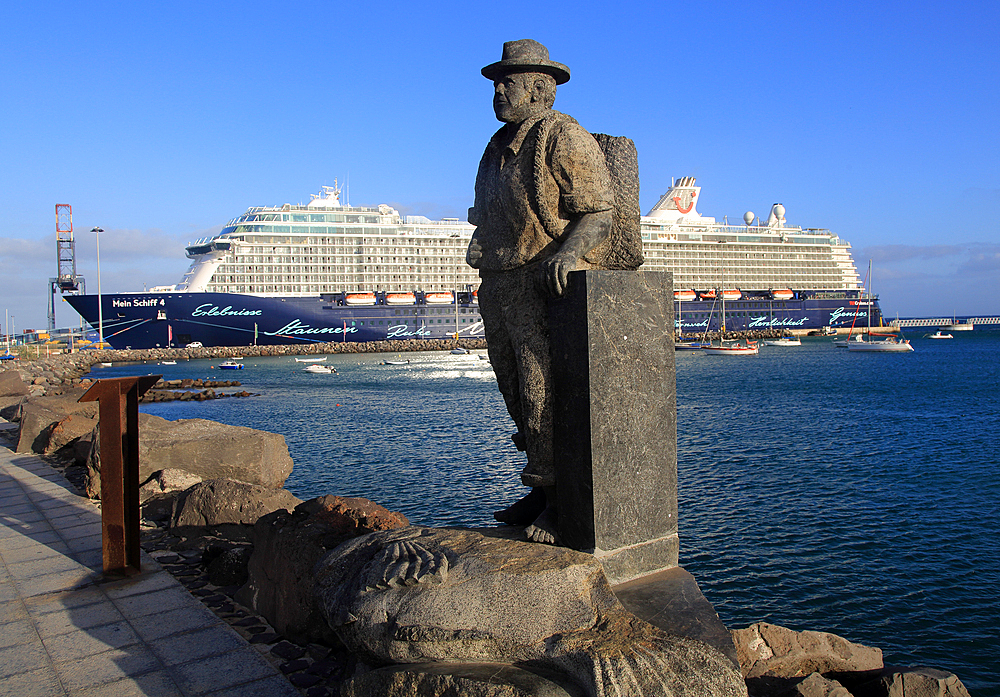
x: 153, y: 320
x: 806, y: 311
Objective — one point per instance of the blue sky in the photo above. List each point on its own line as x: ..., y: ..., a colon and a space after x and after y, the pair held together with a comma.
x: 159, y: 122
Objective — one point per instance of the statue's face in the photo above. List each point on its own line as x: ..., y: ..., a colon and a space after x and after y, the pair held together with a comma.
x: 512, y: 102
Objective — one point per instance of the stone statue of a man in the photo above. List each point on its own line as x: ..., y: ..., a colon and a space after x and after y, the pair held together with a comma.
x: 544, y: 202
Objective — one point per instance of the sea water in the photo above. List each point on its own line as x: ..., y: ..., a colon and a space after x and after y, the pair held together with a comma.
x: 818, y: 488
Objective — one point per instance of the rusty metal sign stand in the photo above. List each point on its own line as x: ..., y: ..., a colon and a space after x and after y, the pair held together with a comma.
x: 118, y: 409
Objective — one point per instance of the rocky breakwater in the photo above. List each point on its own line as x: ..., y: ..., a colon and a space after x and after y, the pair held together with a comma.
x: 72, y: 366
x: 189, y: 389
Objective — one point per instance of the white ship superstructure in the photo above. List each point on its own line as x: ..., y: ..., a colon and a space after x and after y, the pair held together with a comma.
x: 326, y: 247
x: 754, y: 256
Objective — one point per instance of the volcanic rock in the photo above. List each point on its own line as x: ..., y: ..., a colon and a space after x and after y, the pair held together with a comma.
x: 204, y: 448
x: 767, y: 650
x: 219, y: 501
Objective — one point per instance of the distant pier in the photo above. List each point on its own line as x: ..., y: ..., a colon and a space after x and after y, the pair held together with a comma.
x: 953, y: 324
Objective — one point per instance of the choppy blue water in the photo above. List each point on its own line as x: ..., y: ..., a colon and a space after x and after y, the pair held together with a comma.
x: 818, y: 489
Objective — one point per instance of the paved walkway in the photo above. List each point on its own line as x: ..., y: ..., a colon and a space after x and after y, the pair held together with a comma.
x: 64, y: 630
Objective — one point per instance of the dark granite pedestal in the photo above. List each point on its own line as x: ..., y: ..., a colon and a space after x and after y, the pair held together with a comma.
x: 614, y: 419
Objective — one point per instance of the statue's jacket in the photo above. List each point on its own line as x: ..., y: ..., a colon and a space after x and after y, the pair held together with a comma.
x: 533, y: 179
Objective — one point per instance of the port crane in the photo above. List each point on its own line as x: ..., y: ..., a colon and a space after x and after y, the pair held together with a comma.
x: 67, y: 280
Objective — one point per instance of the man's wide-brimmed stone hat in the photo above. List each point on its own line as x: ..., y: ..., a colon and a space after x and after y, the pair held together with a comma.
x: 526, y: 56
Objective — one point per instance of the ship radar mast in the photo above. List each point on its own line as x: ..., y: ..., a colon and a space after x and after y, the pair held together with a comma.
x: 329, y: 197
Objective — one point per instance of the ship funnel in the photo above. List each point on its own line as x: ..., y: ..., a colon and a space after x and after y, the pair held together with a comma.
x: 777, y: 216
x: 748, y: 217
x: 679, y: 202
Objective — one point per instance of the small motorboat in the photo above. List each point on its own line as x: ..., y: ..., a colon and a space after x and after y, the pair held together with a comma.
x: 735, y: 349
x: 394, y: 362
x: 938, y: 335
x: 231, y: 364
x: 321, y: 369
x: 310, y: 360
x: 168, y: 362
x: 784, y: 341
x: 459, y: 351
x: 690, y: 345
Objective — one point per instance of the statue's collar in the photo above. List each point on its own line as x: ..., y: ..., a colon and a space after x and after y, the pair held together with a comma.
x: 522, y: 131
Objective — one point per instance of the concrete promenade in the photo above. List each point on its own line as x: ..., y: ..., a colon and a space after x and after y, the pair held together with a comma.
x: 65, y: 630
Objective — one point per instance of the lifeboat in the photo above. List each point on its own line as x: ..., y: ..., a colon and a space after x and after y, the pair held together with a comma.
x: 475, y: 296
x: 685, y: 295
x: 783, y: 294
x: 438, y: 298
x: 707, y: 295
x: 400, y: 298
x: 732, y: 294
x: 360, y: 298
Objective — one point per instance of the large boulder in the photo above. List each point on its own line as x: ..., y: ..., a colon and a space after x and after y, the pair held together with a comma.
x: 424, y: 595
x: 67, y: 432
x: 11, y: 384
x: 39, y: 417
x: 208, y: 449
x: 221, y: 501
x: 913, y: 682
x: 286, y: 547
x: 769, y: 651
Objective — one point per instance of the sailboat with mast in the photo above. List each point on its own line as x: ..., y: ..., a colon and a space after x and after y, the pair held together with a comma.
x: 787, y: 338
x: 886, y: 343
x: 749, y: 348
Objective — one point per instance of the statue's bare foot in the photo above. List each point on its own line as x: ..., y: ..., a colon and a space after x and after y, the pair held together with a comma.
x: 524, y: 510
x: 543, y: 529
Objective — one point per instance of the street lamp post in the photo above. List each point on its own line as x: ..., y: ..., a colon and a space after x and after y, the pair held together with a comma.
x: 100, y: 304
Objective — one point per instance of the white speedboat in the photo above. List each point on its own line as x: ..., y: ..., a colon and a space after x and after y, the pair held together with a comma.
x: 309, y: 360
x: 885, y: 345
x: 784, y: 341
x: 320, y: 369
x: 750, y: 348
x: 231, y: 364
x: 938, y: 335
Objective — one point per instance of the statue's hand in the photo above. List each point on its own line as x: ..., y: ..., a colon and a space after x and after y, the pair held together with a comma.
x: 474, y: 255
x: 555, y: 272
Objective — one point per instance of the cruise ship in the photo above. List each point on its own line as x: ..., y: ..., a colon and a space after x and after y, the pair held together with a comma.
x: 328, y: 271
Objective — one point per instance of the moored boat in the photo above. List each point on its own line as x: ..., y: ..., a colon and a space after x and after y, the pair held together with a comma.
x: 784, y: 341
x: 938, y: 335
x: 319, y: 369
x: 748, y: 348
x: 231, y: 364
